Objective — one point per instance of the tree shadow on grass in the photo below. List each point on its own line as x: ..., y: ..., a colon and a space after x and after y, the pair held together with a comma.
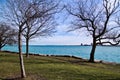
x: 29, y: 77
x: 16, y: 78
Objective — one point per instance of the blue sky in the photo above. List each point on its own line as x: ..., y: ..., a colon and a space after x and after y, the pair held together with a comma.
x: 2, y: 1
x: 62, y: 37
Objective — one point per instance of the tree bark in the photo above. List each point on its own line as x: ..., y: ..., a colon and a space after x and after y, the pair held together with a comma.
x: 92, y: 51
x: 23, y: 75
x: 0, y: 47
x: 27, y: 47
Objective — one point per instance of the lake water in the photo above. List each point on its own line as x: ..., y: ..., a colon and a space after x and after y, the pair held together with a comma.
x: 106, y: 53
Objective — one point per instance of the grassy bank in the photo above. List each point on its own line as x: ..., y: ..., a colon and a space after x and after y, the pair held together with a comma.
x: 56, y: 68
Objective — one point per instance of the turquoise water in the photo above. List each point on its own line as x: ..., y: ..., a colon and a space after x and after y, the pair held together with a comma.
x: 106, y: 53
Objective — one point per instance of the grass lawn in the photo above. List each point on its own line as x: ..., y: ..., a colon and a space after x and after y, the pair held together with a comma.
x: 56, y: 68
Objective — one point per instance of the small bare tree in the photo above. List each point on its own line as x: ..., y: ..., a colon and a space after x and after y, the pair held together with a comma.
x: 95, y: 16
x: 43, y: 25
x: 36, y: 29
x: 8, y: 35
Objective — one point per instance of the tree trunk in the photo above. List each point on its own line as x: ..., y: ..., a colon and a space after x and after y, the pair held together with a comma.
x: 92, y: 51
x: 23, y: 75
x: 27, y: 47
x: 0, y: 46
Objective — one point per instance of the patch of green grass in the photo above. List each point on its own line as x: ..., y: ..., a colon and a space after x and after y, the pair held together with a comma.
x: 56, y: 68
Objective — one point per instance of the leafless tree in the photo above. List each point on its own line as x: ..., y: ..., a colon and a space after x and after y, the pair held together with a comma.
x: 15, y: 13
x: 95, y: 17
x: 8, y: 35
x: 43, y: 25
x: 22, y: 13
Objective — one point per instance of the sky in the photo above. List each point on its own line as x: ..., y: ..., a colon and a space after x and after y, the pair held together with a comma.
x: 62, y: 37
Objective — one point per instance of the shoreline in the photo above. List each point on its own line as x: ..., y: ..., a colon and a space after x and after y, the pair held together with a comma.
x: 84, y: 59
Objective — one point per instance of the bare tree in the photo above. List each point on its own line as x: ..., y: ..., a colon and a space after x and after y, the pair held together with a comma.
x: 95, y: 16
x: 20, y: 13
x: 43, y: 25
x: 8, y: 35
x: 36, y: 29
x: 15, y: 13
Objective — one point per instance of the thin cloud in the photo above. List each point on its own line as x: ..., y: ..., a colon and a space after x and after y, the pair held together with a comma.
x: 62, y: 40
